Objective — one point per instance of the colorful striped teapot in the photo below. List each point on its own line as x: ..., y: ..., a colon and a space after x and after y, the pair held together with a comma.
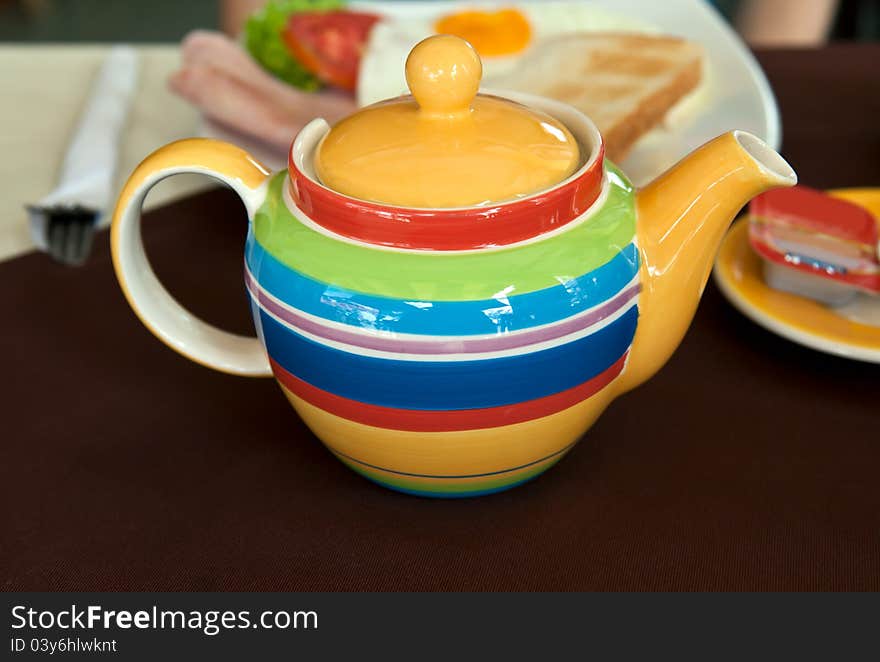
x: 463, y: 346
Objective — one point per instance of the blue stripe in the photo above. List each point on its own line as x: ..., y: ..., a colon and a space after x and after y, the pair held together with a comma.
x: 441, y: 318
x: 448, y: 385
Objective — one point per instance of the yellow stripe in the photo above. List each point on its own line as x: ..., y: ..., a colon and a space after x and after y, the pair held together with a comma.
x: 463, y: 452
x: 454, y: 486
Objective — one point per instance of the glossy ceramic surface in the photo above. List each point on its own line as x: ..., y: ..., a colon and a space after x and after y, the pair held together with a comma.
x: 467, y: 342
x: 852, y: 331
x: 455, y: 372
x: 445, y: 229
x: 417, y: 381
x: 445, y: 146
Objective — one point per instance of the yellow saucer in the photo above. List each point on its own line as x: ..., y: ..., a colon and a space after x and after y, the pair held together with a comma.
x: 738, y: 273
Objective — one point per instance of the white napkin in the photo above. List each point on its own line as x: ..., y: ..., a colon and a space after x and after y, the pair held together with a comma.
x: 86, y: 177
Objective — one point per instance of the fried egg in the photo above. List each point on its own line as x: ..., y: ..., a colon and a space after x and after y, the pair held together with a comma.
x: 501, y: 32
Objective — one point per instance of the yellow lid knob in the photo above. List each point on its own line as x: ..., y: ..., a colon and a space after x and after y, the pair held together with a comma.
x: 443, y: 73
x: 446, y: 145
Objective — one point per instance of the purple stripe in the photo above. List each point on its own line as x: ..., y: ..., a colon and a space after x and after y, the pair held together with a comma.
x: 451, y: 346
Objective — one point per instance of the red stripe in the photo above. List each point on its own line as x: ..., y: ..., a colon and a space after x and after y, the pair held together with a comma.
x: 417, y: 420
x: 446, y: 230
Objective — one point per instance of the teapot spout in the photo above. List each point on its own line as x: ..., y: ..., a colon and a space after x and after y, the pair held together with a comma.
x: 682, y: 218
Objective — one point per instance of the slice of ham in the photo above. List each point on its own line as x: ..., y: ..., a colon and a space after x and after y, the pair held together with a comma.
x: 213, y: 49
x: 229, y: 87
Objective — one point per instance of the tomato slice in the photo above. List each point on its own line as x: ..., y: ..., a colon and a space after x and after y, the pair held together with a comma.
x: 329, y: 44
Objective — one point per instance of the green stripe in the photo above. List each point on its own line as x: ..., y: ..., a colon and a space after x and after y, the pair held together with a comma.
x: 447, y: 276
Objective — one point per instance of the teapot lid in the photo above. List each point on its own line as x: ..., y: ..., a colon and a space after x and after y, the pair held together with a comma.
x: 445, y: 145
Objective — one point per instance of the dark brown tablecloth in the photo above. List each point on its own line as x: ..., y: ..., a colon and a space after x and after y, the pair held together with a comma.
x: 747, y: 463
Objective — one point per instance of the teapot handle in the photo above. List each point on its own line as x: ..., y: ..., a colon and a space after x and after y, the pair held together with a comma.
x: 156, y: 308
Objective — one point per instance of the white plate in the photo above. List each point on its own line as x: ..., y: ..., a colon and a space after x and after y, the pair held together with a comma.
x: 734, y: 94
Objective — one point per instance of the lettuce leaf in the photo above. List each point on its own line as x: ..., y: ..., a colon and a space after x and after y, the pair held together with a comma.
x: 263, y: 39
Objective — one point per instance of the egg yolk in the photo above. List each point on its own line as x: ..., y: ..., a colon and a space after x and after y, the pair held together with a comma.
x: 502, y: 32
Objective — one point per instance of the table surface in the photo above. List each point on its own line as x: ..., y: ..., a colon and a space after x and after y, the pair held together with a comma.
x: 125, y: 467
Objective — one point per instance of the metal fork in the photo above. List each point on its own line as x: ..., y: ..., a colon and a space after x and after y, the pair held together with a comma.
x: 67, y: 231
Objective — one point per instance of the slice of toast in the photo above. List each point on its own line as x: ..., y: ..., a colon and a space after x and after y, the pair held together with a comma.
x: 625, y: 82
